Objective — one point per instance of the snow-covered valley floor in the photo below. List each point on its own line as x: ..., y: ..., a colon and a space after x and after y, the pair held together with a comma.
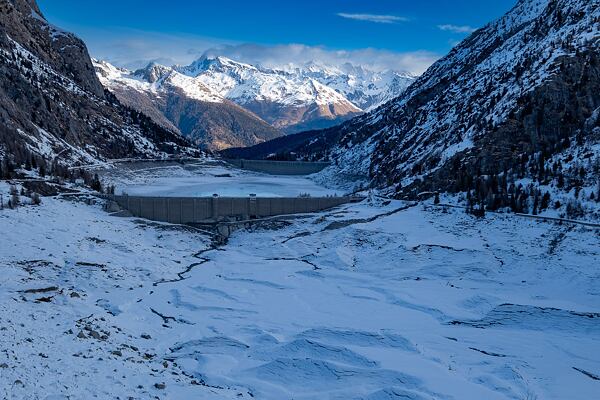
x: 368, y: 301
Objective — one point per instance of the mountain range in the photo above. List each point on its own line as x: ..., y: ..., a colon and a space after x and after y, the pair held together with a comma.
x: 184, y: 105
x: 518, y: 99
x: 511, y: 112
x: 237, y: 104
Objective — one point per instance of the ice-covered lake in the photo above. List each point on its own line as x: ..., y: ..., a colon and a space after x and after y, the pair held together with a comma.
x: 207, y: 178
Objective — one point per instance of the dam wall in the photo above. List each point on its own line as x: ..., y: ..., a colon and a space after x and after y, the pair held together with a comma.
x: 279, y: 167
x: 183, y: 210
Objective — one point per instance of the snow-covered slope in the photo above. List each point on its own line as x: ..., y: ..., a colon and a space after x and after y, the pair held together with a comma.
x: 516, y: 99
x: 52, y: 104
x: 186, y: 104
x: 370, y: 301
x: 473, y: 91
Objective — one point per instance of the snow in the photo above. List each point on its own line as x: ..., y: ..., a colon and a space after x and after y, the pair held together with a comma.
x: 55, y: 31
x: 194, y: 89
x: 207, y: 178
x: 376, y: 300
x: 218, y: 78
x: 50, y: 144
x: 489, y: 71
x: 167, y: 79
x: 244, y: 84
x: 39, y: 67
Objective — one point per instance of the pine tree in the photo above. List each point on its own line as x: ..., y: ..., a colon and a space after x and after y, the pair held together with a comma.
x: 35, y: 199
x: 14, y: 200
x: 561, y: 180
x: 545, y: 201
x: 7, y: 168
x: 96, y: 184
x: 469, y: 208
x: 480, y: 211
x: 542, y: 169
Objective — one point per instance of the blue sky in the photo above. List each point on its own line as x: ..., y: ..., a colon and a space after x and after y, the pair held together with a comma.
x: 133, y: 32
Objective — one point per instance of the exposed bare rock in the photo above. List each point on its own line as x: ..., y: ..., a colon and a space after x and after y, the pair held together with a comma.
x: 52, y: 103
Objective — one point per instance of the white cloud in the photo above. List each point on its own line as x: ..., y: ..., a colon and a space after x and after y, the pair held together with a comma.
x: 280, y: 55
x: 134, y: 49
x: 380, y: 19
x: 457, y: 28
x: 131, y: 48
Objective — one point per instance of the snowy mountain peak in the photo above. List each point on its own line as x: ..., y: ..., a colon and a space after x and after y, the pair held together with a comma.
x: 185, y: 104
x: 155, y: 78
x: 289, y: 97
x: 363, y: 87
x: 153, y: 72
x: 105, y: 70
x: 215, y: 64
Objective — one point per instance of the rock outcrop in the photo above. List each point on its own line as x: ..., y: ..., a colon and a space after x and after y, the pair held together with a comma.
x: 52, y: 103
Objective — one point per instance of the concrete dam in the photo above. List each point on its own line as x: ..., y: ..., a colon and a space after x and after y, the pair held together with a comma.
x: 279, y: 167
x: 190, y: 210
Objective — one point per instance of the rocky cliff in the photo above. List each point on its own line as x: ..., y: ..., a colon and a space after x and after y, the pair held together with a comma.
x: 52, y: 104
